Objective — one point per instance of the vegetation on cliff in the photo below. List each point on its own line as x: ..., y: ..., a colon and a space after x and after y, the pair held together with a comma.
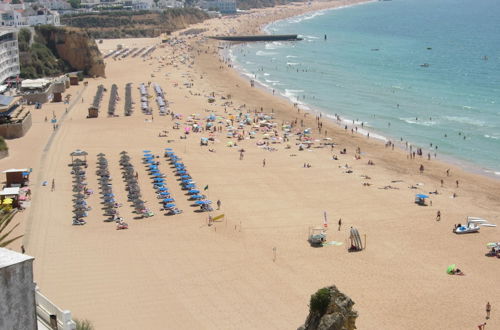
x: 36, y: 59
x: 249, y: 4
x: 3, y: 144
x: 330, y: 309
x: 57, y: 50
x: 127, y: 24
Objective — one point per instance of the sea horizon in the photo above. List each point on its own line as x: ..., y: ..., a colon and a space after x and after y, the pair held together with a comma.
x: 405, y: 105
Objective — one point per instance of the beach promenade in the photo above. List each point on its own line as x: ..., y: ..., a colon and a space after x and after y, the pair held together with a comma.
x: 255, y: 269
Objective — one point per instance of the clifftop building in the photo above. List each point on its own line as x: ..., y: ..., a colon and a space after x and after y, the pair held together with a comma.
x: 9, y: 54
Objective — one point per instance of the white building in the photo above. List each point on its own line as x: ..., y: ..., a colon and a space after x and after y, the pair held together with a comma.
x: 42, y: 17
x: 223, y: 6
x: 9, y: 54
x: 12, y: 18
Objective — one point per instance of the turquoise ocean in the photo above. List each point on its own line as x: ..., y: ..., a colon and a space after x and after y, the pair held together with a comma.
x: 425, y: 71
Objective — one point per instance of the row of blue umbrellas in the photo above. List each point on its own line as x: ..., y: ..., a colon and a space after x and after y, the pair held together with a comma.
x: 186, y: 180
x: 159, y: 181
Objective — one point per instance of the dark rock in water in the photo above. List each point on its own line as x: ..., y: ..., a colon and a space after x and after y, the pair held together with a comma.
x: 330, y: 309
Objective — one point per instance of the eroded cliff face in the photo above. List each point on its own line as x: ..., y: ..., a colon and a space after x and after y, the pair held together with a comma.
x: 74, y: 47
x: 336, y: 315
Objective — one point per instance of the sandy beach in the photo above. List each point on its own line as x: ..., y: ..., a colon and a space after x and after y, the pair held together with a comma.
x: 255, y: 269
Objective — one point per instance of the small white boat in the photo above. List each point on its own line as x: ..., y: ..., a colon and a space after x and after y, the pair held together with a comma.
x: 472, y: 226
x: 469, y: 228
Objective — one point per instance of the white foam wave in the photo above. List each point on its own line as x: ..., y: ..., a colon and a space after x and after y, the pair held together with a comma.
x: 273, y: 45
x: 263, y: 53
x: 309, y: 37
x: 292, y: 63
x: 272, y: 81
x: 291, y: 56
x: 305, y: 17
x: 494, y: 137
x: 266, y: 74
x: 466, y: 120
x: 413, y: 121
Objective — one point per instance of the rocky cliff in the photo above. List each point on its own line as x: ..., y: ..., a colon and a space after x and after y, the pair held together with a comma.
x: 330, y: 309
x: 74, y: 47
x: 134, y: 24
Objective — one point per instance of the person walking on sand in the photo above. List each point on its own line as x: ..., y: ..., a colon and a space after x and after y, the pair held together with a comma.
x: 53, y: 185
x: 340, y: 223
x: 264, y: 162
x: 218, y: 204
x: 482, y: 326
x: 421, y: 169
x: 488, y: 310
x: 438, y: 216
x: 457, y: 183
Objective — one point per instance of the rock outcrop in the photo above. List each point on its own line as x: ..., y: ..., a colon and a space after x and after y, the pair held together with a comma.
x: 74, y: 47
x: 330, y: 309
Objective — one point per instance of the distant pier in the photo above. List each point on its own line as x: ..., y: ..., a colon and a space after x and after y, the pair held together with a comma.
x: 265, y: 37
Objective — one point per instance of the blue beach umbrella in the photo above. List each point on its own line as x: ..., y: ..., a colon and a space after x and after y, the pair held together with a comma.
x: 168, y: 200
x: 159, y: 179
x: 193, y: 192
x: 146, y: 151
x: 189, y: 186
x: 199, y: 202
x: 181, y: 172
x: 168, y: 149
x: 185, y: 176
x: 168, y: 206
x: 421, y: 196
x: 162, y: 189
x: 196, y: 197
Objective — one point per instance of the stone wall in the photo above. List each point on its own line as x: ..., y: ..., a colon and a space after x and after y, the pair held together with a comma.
x: 17, y: 294
x: 16, y: 130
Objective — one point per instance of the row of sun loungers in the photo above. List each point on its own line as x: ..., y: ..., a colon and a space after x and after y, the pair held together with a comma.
x: 159, y: 184
x: 139, y: 52
x: 111, y: 53
x: 80, y: 193
x: 128, y: 99
x: 187, y: 182
x: 160, y: 99
x: 133, y: 191
x: 98, y: 97
x: 149, y: 51
x: 128, y: 52
x: 110, y: 204
x: 120, y: 52
x: 143, y: 90
x: 113, y: 98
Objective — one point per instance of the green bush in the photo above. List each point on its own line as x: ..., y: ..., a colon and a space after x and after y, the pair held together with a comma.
x: 320, y: 301
x: 3, y: 144
x: 83, y: 325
